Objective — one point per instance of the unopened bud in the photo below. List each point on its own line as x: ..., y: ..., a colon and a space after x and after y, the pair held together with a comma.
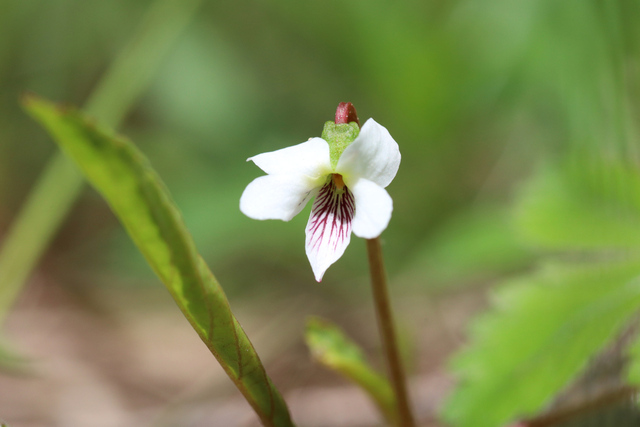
x: 346, y: 113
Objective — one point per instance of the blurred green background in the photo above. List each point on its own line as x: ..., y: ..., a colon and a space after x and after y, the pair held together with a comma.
x: 477, y: 94
x: 448, y: 80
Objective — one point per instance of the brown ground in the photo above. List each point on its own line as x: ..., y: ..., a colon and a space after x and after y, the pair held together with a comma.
x: 129, y: 358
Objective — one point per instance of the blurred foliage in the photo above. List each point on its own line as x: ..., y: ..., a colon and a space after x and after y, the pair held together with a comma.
x: 479, y: 95
x: 12, y: 362
x: 471, y: 246
x: 232, y: 88
x: 59, y: 185
x: 580, y: 210
x: 590, y: 204
x: 545, y: 327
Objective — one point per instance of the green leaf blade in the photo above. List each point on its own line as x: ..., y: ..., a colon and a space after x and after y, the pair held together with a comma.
x: 140, y: 200
x: 333, y: 349
x: 541, y: 333
x: 633, y: 368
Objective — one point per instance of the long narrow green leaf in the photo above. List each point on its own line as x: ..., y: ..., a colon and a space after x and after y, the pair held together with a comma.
x: 35, y: 226
x: 540, y: 334
x: 333, y: 349
x: 143, y: 205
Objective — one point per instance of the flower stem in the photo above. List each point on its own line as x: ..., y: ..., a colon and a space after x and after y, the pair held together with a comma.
x: 387, y: 332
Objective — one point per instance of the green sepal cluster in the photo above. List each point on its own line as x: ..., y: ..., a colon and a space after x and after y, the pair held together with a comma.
x: 339, y: 136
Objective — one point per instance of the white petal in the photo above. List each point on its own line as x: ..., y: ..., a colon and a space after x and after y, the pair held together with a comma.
x: 373, y: 155
x: 310, y: 159
x: 277, y: 196
x: 329, y: 227
x: 373, y: 208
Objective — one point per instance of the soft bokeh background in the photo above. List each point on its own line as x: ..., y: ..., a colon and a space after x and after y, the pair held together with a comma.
x: 477, y: 94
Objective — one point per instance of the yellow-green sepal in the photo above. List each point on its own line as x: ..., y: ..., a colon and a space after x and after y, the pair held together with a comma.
x: 339, y: 136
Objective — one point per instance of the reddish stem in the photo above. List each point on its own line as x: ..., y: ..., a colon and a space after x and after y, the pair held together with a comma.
x: 388, y: 334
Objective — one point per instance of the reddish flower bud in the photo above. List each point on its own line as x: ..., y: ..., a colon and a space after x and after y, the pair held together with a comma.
x: 346, y: 113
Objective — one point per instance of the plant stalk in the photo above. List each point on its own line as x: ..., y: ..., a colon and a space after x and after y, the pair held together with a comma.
x: 387, y: 332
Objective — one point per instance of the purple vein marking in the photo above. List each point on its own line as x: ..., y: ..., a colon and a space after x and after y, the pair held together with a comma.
x: 334, y: 208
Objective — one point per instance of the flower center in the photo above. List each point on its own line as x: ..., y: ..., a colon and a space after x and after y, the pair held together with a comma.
x: 338, y: 181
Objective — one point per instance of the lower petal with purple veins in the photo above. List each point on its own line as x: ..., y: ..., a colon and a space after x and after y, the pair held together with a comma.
x: 329, y: 227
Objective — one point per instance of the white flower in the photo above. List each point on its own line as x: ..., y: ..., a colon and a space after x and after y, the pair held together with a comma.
x: 348, y: 197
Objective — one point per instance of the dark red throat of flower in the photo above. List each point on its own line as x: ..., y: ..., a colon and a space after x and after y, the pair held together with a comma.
x: 346, y: 113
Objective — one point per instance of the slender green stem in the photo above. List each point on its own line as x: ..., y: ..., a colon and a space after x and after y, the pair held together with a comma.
x: 60, y: 184
x: 387, y: 332
x: 35, y: 226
